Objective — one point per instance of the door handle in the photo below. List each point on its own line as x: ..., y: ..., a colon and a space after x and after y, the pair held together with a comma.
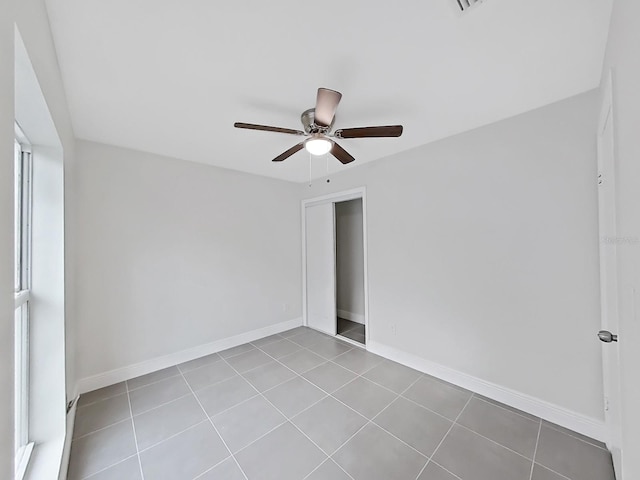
x: 607, y: 337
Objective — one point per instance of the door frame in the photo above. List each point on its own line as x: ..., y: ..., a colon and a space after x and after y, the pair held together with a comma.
x: 352, y: 194
x: 613, y: 437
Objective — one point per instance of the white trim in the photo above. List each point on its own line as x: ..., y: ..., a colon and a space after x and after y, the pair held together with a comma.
x: 22, y: 460
x: 591, y: 427
x: 354, y: 317
x: 352, y: 194
x: 66, y: 449
x: 105, y: 379
x: 21, y: 298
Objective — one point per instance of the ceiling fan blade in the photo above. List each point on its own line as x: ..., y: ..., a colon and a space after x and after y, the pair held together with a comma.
x: 267, y: 128
x: 326, y: 104
x: 341, y: 154
x: 288, y: 153
x: 369, y: 132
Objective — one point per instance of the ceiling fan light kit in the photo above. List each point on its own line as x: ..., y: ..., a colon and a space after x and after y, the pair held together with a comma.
x: 318, y: 145
x: 317, y: 123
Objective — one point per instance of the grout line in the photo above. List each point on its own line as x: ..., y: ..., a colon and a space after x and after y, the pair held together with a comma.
x: 573, y: 435
x: 535, y: 451
x: 102, y: 428
x: 495, y: 403
x: 285, y: 416
x: 371, y: 422
x: 552, y: 471
x: 448, y: 471
x: 200, y: 475
x: 108, y: 467
x: 135, y: 436
x: 445, y: 436
x: 173, y: 435
x: 214, y: 427
x: 494, y: 442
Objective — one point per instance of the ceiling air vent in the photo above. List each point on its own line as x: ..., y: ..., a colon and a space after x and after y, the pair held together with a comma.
x: 464, y: 5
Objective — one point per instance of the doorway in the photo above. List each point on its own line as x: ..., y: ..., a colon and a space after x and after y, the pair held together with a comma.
x: 334, y: 265
x: 350, y: 270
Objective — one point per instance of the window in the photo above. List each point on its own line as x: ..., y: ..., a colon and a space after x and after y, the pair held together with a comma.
x: 22, y: 285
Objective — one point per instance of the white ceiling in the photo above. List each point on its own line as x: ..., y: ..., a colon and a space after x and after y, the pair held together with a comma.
x: 172, y: 76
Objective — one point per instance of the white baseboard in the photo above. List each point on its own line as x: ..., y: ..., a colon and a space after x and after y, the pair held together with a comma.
x: 94, y: 382
x: 66, y: 449
x: 354, y: 317
x: 591, y: 427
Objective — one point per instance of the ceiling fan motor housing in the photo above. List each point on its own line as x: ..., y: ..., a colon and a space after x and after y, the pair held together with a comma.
x: 308, y: 119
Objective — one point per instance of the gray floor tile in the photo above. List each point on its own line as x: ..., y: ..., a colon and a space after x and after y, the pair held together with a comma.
x: 209, y: 374
x: 226, y: 394
x: 230, y: 352
x: 329, y: 424
x: 268, y: 375
x: 542, y: 473
x: 156, y: 394
x: 434, y: 472
x: 392, y: 375
x: 471, y: 456
x: 358, y: 360
x: 266, y: 340
x: 590, y: 440
x: 329, y: 470
x: 365, y: 397
x: 441, y: 397
x: 227, y: 470
x: 284, y: 454
x: 329, y: 348
x: 386, y: 457
x: 508, y: 407
x: 160, y: 423
x: 152, y: 377
x: 101, y: 414
x: 281, y: 348
x: 329, y: 376
x: 244, y: 423
x: 294, y: 396
x: 101, y: 449
x: 302, y: 361
x: 199, y: 362
x: 184, y: 456
x: 503, y: 426
x: 102, y: 394
x: 295, y: 331
x: 572, y: 457
x: 309, y: 338
x: 249, y: 360
x: 128, y: 469
x: 417, y: 426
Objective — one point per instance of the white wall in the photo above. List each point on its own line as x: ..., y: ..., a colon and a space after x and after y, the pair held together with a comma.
x: 483, y: 251
x: 6, y: 240
x: 349, y: 260
x: 172, y: 255
x: 622, y: 57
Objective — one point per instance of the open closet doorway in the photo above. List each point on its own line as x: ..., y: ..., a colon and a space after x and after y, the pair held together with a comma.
x: 335, y: 268
x: 350, y: 270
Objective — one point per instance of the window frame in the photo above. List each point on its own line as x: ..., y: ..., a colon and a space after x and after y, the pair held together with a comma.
x: 22, y: 291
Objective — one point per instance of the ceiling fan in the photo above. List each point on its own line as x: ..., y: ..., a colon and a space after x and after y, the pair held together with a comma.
x: 317, y: 124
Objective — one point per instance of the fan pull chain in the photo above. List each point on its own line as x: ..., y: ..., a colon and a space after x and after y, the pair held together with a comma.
x: 326, y: 157
x: 309, y: 169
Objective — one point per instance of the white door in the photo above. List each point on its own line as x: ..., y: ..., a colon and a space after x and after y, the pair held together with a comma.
x: 609, y: 280
x: 321, y: 267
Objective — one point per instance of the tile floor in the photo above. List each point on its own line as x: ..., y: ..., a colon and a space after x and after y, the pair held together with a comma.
x: 301, y: 405
x: 352, y: 330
